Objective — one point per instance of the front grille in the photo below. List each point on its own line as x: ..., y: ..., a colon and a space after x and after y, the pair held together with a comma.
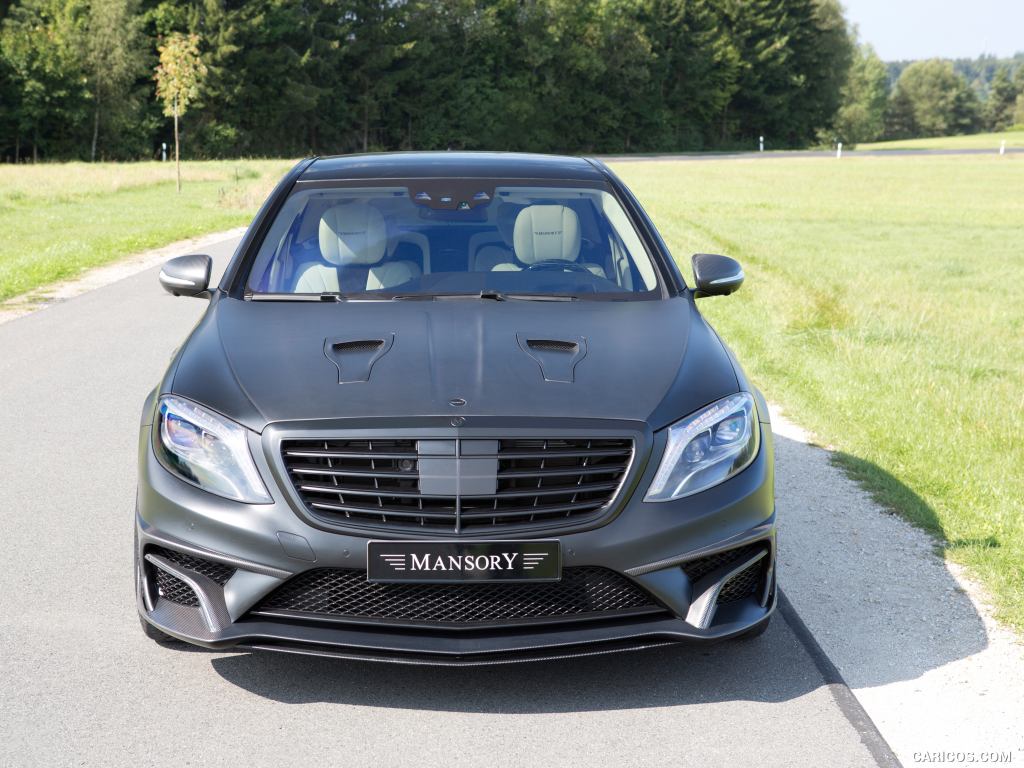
x: 345, y: 594
x: 745, y: 583
x: 173, y: 589
x: 380, y: 483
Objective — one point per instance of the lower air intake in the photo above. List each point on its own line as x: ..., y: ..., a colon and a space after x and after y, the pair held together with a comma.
x: 744, y: 584
x: 171, y: 588
x: 345, y: 594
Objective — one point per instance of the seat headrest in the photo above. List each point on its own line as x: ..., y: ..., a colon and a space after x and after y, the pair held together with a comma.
x: 506, y: 221
x: 545, y: 232
x: 353, y: 233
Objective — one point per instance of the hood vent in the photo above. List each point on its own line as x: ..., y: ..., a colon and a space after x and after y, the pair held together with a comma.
x: 355, y: 358
x: 552, y: 345
x: 557, y: 358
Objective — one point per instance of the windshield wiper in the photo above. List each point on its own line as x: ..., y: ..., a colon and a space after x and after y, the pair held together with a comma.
x: 329, y: 296
x: 294, y: 297
x: 542, y: 296
x: 335, y: 296
x: 485, y: 294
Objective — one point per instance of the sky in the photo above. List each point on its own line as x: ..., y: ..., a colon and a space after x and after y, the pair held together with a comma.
x: 952, y: 29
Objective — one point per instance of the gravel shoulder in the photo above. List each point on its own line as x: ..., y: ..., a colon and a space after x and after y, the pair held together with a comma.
x: 911, y: 634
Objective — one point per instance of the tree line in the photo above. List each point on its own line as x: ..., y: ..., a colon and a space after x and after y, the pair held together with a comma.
x: 935, y: 97
x: 293, y: 77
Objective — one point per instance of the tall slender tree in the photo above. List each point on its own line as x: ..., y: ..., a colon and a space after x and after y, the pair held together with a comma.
x: 177, y: 82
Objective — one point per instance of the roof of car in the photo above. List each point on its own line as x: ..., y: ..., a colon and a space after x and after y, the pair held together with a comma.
x: 411, y: 165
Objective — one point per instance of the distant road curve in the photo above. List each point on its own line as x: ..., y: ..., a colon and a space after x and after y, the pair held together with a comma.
x: 783, y: 154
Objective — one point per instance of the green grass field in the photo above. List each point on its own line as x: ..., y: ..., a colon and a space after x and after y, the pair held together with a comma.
x: 63, y: 218
x: 884, y: 310
x: 883, y: 306
x: 976, y: 141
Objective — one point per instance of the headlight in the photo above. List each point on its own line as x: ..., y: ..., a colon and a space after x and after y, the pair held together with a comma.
x: 706, y: 448
x: 207, y: 450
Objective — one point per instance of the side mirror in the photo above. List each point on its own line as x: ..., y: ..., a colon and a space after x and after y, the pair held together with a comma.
x: 187, y: 276
x: 716, y: 275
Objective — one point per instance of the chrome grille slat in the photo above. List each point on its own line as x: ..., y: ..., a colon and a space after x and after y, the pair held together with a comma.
x: 600, y: 470
x: 376, y: 482
x: 324, y: 454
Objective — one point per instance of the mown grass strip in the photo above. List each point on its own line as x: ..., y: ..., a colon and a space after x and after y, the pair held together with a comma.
x: 58, y: 220
x: 883, y: 309
x: 1013, y: 139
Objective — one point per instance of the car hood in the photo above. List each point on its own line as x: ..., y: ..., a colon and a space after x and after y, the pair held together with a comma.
x: 262, y: 362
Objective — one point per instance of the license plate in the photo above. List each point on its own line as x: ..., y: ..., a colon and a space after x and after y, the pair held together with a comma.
x: 443, y: 562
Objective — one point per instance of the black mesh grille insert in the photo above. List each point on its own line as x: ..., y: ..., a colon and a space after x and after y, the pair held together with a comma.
x: 743, y: 584
x: 377, y: 482
x: 698, y: 569
x: 170, y: 587
x: 584, y: 592
x: 553, y: 345
x: 369, y: 345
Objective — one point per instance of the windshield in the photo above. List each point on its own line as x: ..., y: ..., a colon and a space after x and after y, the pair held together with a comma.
x: 453, y: 237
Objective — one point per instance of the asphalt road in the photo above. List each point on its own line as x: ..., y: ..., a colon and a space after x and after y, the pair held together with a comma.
x: 791, y: 153
x: 81, y: 685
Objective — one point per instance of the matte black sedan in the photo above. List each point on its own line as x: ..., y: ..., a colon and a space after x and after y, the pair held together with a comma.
x: 453, y: 408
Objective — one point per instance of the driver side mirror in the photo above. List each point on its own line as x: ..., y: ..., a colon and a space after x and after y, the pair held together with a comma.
x: 187, y: 276
x: 716, y: 275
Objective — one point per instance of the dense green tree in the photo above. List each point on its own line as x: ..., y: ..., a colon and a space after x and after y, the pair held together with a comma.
x: 46, y: 81
x: 113, y: 59
x: 931, y: 99
x: 695, y: 68
x: 861, y: 117
x: 1001, y: 101
x: 299, y: 76
x: 794, y: 59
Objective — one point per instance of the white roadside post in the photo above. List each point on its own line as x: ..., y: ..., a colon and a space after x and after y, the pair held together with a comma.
x: 1002, y: 147
x: 163, y: 151
x: 839, y: 150
x: 760, y: 143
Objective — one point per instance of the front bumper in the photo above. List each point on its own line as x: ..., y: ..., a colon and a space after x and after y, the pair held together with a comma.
x: 651, y: 545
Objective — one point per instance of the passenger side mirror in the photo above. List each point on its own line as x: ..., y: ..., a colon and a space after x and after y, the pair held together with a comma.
x: 187, y: 275
x: 716, y: 275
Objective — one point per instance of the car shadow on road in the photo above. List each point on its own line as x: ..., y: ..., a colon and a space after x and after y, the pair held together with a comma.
x: 871, y: 589
x: 772, y: 668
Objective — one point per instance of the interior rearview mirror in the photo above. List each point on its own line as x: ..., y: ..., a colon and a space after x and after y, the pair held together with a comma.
x: 187, y: 275
x: 716, y: 275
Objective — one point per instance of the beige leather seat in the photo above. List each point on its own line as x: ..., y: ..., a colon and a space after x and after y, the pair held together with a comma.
x: 353, y: 243
x: 489, y: 249
x: 546, y: 233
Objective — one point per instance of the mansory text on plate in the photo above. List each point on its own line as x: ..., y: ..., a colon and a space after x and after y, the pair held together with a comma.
x: 453, y: 408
